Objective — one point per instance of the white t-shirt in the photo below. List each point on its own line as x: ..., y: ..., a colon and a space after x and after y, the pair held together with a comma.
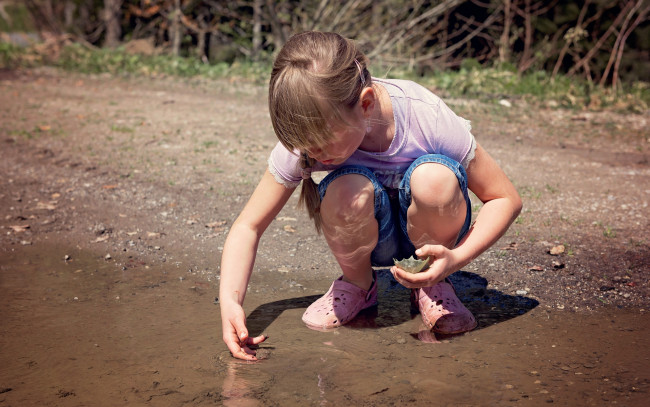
x: 424, y: 124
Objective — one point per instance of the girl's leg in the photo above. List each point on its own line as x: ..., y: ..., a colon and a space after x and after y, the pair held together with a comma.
x: 355, y: 211
x: 438, y: 208
x: 349, y: 225
x: 438, y: 214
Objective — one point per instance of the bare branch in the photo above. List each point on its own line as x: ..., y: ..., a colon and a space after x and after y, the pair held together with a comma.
x: 567, y: 44
x: 590, y: 54
x: 449, y: 50
x: 622, y: 38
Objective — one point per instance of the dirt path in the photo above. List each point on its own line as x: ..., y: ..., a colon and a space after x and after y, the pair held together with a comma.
x: 116, y: 195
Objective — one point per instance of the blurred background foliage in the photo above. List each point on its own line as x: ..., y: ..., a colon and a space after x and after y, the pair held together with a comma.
x: 578, y: 53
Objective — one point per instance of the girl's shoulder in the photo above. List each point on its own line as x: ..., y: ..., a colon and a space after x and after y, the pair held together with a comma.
x: 404, y: 88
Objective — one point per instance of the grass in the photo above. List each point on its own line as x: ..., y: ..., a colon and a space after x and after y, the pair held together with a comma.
x: 609, y: 232
x: 472, y: 80
x: 497, y: 83
x: 122, y: 129
x: 530, y: 192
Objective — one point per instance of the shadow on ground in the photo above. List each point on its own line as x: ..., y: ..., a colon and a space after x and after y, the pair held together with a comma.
x: 489, y: 306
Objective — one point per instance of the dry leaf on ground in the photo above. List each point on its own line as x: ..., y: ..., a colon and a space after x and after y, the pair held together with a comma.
x: 217, y: 226
x: 19, y: 228
x: 49, y: 206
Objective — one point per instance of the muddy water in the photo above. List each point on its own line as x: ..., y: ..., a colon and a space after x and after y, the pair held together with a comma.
x: 91, y: 331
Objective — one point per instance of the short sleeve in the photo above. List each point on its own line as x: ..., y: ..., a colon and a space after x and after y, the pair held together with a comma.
x: 470, y: 154
x: 284, y: 166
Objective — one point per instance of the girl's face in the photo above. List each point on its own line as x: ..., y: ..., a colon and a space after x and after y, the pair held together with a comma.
x: 347, y: 136
x: 345, y: 141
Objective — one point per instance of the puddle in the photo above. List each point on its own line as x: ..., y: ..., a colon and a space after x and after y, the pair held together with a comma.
x: 88, y: 332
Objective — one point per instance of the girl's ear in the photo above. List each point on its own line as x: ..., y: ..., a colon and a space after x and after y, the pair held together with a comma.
x: 368, y: 99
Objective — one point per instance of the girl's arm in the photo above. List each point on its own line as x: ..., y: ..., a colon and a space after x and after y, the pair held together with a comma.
x: 502, y: 205
x: 238, y: 259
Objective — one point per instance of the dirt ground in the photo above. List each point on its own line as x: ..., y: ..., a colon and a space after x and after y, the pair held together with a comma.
x: 117, y: 194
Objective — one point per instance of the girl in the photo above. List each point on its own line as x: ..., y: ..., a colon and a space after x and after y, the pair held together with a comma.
x: 399, y: 164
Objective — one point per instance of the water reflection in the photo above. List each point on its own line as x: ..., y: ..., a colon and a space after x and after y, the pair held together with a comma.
x: 238, y: 388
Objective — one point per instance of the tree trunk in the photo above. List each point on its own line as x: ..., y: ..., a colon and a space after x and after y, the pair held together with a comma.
x: 504, y: 41
x: 200, y: 46
x: 279, y: 37
x: 175, y: 34
x: 68, y: 14
x: 112, y: 23
x: 526, y: 56
x: 257, y: 29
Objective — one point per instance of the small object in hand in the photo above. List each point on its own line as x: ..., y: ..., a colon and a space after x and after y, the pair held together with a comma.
x: 412, y: 265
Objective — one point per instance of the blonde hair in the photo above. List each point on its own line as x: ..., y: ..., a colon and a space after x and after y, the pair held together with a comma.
x: 316, y: 77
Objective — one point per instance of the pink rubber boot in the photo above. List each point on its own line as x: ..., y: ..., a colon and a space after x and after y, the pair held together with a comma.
x: 441, y: 309
x: 342, y: 302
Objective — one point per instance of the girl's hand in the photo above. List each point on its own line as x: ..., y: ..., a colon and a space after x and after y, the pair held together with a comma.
x: 235, y: 334
x: 443, y: 263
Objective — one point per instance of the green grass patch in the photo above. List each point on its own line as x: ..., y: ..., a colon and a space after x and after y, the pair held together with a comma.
x: 494, y: 84
x: 81, y: 59
x: 471, y: 81
x: 122, y: 129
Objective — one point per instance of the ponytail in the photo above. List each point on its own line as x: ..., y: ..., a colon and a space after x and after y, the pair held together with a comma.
x: 309, y: 196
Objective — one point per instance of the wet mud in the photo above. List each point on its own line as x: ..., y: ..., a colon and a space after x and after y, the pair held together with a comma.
x: 80, y: 329
x: 117, y: 194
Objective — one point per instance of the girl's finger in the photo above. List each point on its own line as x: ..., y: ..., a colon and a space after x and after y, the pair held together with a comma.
x: 398, y: 277
x: 238, y: 352
x: 256, y: 340
x: 244, y: 356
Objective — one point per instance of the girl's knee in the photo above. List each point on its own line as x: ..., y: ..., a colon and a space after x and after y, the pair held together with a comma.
x: 436, y: 186
x: 347, y: 198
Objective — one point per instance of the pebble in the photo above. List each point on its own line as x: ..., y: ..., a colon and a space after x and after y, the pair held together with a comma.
x: 521, y: 292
